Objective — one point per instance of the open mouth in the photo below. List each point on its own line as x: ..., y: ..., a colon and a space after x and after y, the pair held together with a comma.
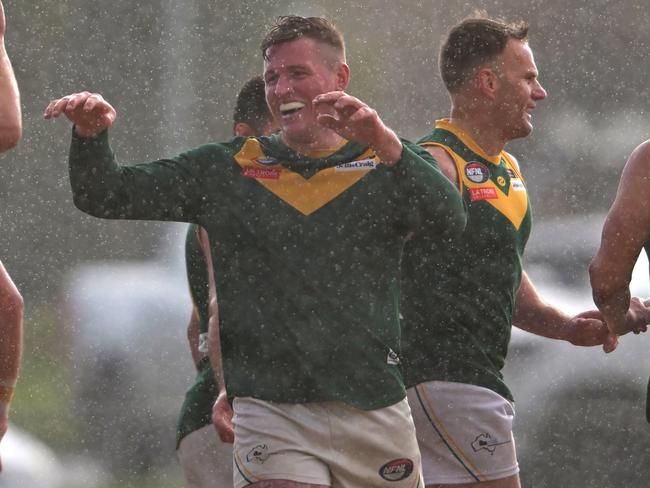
x: 291, y: 107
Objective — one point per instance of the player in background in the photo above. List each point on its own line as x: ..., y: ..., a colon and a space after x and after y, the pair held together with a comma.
x: 206, y: 460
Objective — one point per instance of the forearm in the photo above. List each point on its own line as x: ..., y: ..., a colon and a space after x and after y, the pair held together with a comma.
x: 543, y: 320
x: 152, y: 191
x: 532, y: 314
x: 10, y: 113
x: 11, y: 336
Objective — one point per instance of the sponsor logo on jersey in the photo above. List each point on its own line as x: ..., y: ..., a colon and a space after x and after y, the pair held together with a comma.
x: 396, y: 470
x: 258, y: 454
x: 267, y: 161
x: 485, y: 442
x: 392, y: 358
x: 262, y: 173
x: 483, y: 193
x: 517, y: 185
x: 360, y: 165
x: 477, y: 172
x: 501, y: 181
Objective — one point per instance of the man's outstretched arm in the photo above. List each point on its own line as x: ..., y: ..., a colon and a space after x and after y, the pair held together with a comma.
x: 535, y: 315
x: 626, y: 230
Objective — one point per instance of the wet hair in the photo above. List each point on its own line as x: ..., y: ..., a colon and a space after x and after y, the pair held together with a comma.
x: 475, y: 41
x: 251, y: 107
x: 292, y: 27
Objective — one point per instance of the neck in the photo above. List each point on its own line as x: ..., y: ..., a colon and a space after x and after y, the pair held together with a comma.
x: 322, y: 142
x: 478, y: 123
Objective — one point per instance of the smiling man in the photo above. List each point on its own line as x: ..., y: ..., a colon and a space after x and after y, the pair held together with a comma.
x: 459, y: 301
x: 306, y: 230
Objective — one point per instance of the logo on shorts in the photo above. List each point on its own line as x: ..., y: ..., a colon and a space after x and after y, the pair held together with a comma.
x: 485, y: 441
x: 392, y: 358
x: 396, y: 470
x: 258, y: 454
x: 477, y: 172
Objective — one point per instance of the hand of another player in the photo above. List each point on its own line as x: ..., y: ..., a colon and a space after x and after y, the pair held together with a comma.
x: 589, y: 329
x: 89, y: 112
x: 222, y: 418
x: 636, y: 319
x: 352, y: 119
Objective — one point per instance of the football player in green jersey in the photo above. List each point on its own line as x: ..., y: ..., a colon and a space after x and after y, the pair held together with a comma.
x: 459, y: 301
x: 206, y: 461
x: 306, y: 231
x: 11, y: 302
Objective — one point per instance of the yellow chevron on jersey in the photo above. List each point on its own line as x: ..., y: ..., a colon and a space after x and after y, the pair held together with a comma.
x: 513, y: 203
x: 305, y: 195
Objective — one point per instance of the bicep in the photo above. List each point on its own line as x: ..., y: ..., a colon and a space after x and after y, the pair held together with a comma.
x: 445, y: 163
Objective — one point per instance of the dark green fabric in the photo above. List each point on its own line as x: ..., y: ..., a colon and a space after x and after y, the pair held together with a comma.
x: 308, y: 304
x: 197, y: 276
x: 458, y: 300
x: 197, y: 407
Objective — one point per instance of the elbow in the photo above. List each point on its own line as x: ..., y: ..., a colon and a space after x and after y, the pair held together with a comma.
x: 13, y: 305
x: 10, y: 137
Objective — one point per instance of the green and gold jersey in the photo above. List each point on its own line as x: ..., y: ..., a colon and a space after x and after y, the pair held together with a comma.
x: 196, y: 411
x: 306, y: 253
x: 458, y: 300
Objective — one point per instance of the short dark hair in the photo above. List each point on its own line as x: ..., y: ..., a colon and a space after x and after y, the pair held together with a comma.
x: 475, y: 41
x: 251, y: 107
x: 291, y: 27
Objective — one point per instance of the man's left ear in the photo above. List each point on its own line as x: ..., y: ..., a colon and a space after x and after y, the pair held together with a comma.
x: 343, y: 76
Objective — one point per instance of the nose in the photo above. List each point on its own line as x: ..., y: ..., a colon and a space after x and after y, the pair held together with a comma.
x: 538, y: 91
x: 283, y: 86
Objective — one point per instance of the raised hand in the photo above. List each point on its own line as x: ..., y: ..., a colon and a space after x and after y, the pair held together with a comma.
x: 354, y: 120
x: 89, y: 112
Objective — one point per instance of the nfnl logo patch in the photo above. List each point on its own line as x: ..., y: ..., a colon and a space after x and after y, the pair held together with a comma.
x: 262, y: 173
x: 485, y: 193
x: 396, y: 470
x: 477, y: 172
x: 361, y: 165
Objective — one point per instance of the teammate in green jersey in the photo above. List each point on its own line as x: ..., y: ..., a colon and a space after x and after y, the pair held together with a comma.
x: 306, y: 231
x: 11, y: 303
x: 206, y: 461
x: 625, y: 233
x: 459, y: 302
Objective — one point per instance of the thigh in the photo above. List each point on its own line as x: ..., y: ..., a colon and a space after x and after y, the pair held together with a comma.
x: 464, y: 432
x: 279, y: 444
x: 375, y: 448
x: 206, y: 461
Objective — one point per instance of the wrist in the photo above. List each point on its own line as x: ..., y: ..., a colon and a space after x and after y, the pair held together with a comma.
x: 86, y: 132
x: 389, y: 148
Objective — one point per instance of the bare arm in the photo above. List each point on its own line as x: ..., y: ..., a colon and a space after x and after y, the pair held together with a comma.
x: 626, y: 229
x: 11, y: 343
x: 221, y: 411
x: 10, y: 116
x: 534, y: 315
x: 193, y: 336
x: 445, y: 163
